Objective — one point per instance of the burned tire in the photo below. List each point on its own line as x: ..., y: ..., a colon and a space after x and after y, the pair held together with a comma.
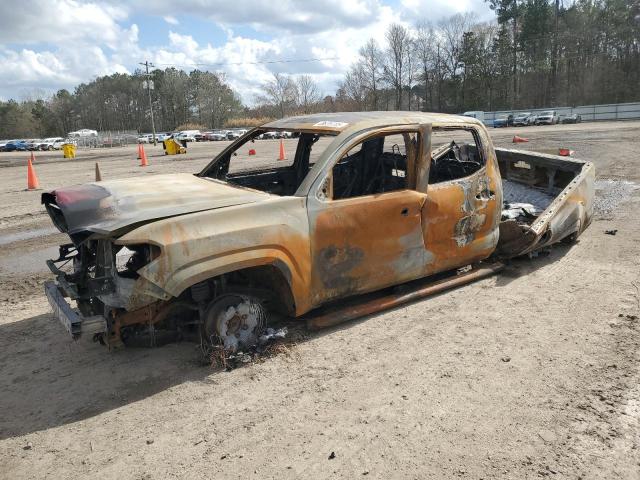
x: 234, y: 320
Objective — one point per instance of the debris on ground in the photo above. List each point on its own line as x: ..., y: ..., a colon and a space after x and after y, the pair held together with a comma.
x: 271, y: 334
x: 332, y: 455
x: 611, y: 232
x: 268, y: 344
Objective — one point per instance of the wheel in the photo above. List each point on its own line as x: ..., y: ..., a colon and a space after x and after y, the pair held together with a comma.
x: 235, y: 319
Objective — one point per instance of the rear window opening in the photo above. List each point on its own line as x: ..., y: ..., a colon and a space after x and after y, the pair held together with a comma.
x: 271, y: 161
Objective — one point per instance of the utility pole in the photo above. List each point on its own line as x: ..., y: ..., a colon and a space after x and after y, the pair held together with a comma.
x: 148, y: 83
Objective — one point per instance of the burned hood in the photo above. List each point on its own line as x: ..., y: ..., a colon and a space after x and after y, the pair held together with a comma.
x: 107, y: 207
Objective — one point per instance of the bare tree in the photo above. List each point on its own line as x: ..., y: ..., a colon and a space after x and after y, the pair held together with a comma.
x: 399, y: 39
x: 279, y: 92
x: 354, y: 86
x: 425, y: 42
x: 372, y: 64
x: 307, y: 92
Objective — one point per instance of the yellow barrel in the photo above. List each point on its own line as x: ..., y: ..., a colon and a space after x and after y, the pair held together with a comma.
x: 69, y: 150
x: 172, y: 147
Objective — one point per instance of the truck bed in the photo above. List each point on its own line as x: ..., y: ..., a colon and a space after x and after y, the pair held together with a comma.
x: 546, y: 199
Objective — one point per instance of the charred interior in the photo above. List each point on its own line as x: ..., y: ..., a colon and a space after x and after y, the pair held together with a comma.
x: 231, y: 165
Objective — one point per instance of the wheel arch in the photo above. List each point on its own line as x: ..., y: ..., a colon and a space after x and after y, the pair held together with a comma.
x: 271, y: 274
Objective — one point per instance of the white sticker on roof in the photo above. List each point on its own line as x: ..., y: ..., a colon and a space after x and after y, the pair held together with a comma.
x: 326, y: 123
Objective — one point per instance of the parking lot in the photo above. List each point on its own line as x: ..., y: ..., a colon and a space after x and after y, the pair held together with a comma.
x: 529, y: 374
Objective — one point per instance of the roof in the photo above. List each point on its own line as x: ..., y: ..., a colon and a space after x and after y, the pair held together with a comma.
x: 340, y: 121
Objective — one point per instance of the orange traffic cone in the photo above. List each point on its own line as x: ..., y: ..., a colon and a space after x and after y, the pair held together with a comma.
x: 282, y: 155
x: 252, y: 151
x: 98, y: 174
x: 32, y: 179
x: 517, y: 139
x: 33, y: 158
x: 143, y: 157
x: 139, y: 151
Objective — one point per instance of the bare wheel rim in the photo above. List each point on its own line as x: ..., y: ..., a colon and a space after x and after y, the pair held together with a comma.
x: 235, y: 320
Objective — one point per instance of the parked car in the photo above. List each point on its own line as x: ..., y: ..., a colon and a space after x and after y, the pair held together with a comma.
x: 270, y: 135
x: 49, y: 143
x: 33, y: 143
x: 522, y: 119
x: 216, y: 135
x: 573, y: 118
x: 145, y: 138
x: 3, y: 144
x: 187, y: 135
x: 16, y: 146
x: 503, y: 121
x: 547, y: 118
x: 200, y: 137
x: 216, y: 259
x: 235, y: 134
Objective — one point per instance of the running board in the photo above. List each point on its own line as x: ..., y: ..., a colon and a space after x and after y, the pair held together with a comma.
x: 407, y: 293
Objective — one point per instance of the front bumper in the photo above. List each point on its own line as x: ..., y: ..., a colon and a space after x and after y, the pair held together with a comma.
x: 72, y: 321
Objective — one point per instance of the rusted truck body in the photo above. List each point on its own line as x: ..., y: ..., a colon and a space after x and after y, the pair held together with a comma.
x: 383, y: 199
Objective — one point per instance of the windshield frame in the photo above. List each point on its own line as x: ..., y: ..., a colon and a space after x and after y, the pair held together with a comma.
x: 222, y: 161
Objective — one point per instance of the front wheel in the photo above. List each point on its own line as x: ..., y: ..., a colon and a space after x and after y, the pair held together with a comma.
x: 236, y: 320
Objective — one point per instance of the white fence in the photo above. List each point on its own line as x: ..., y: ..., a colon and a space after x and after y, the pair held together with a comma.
x: 107, y: 139
x: 589, y: 113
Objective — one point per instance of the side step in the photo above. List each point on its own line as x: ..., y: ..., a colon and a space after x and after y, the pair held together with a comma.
x: 405, y: 293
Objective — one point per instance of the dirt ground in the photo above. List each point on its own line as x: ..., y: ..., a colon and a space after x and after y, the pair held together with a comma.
x: 532, y: 373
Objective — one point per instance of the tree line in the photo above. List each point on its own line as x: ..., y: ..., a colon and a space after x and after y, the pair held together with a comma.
x: 120, y: 102
x: 537, y: 53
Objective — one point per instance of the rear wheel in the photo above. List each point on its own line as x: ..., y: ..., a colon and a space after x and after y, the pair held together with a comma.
x: 236, y: 320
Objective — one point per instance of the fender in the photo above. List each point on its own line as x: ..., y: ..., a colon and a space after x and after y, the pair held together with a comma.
x: 202, y: 245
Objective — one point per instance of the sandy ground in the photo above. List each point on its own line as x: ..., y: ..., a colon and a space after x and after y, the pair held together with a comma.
x: 532, y: 373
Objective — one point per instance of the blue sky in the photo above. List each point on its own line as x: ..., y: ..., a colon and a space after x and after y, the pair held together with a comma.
x: 89, y: 38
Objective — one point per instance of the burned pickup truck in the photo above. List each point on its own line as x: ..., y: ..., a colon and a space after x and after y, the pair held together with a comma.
x: 366, y: 202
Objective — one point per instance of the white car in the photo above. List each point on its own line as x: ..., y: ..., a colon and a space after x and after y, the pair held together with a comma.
x: 269, y: 135
x: 144, y: 139
x: 51, y: 143
x: 57, y: 145
x: 547, y: 118
x: 187, y: 135
x: 522, y: 119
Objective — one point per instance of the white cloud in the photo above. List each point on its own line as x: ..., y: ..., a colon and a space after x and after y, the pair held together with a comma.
x: 171, y: 20
x: 88, y: 39
x: 61, y: 22
x: 289, y: 15
x: 434, y: 10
